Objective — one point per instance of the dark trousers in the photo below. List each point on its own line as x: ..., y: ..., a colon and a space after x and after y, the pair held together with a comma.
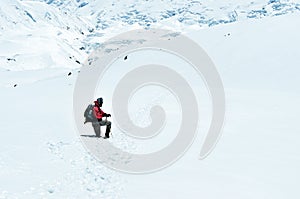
x: 98, y: 124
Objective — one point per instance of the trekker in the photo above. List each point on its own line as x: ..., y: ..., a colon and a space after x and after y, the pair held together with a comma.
x: 99, y: 114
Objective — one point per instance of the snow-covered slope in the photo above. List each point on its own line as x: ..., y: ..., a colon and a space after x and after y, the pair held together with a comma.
x: 69, y: 30
x: 258, y: 155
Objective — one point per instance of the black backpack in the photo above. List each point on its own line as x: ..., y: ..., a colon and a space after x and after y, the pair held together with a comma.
x: 88, y: 114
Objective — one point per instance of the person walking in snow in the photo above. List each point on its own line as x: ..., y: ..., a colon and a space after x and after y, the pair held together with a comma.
x: 99, y: 114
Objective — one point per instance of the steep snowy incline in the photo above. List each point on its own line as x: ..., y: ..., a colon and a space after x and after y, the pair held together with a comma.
x: 35, y: 35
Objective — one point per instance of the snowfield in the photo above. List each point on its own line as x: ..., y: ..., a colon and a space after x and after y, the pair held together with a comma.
x: 255, y: 47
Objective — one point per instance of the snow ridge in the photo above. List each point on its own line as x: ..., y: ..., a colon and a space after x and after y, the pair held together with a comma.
x: 73, y: 29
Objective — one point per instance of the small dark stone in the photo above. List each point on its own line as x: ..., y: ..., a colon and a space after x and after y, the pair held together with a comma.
x: 11, y: 59
x: 15, y: 85
x: 78, y: 62
x: 69, y: 73
x: 125, y: 58
x: 82, y: 48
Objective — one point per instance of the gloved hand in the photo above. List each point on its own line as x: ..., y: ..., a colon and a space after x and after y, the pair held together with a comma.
x: 108, y: 115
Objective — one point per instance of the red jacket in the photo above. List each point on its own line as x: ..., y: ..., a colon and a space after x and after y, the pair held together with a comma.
x: 98, y: 113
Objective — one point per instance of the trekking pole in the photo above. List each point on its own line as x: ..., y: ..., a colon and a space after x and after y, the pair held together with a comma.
x: 111, y: 132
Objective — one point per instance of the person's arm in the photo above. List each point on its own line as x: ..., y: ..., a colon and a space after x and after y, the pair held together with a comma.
x: 105, y: 114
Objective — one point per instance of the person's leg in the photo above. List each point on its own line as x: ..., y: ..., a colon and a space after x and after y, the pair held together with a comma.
x: 108, y: 127
x: 96, y: 127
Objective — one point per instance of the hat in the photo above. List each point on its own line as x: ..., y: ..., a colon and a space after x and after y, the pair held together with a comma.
x: 100, y: 100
